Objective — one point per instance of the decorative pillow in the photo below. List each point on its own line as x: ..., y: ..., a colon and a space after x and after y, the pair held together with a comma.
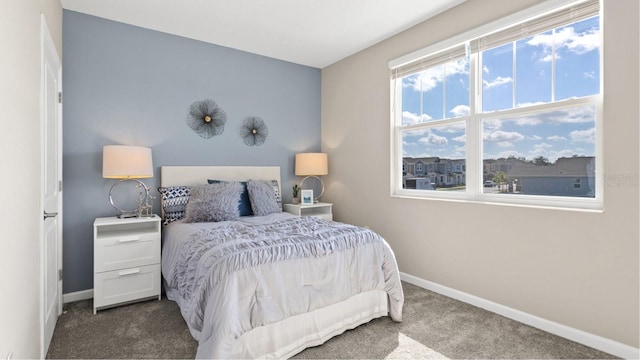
x: 174, y: 202
x: 214, y: 202
x: 245, y: 203
x: 264, y: 199
x: 276, y: 190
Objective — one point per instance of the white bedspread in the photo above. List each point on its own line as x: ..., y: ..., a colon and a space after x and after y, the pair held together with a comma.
x: 233, y: 276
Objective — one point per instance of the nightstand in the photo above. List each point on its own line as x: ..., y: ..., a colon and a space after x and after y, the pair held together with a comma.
x: 321, y: 210
x: 126, y: 260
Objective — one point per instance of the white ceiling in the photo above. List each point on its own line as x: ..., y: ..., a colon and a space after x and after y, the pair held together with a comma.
x: 309, y: 32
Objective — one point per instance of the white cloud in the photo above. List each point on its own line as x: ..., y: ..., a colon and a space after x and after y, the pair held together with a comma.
x: 452, y: 128
x: 525, y: 104
x: 589, y: 75
x: 535, y: 152
x: 433, y: 139
x: 534, y: 137
x: 505, y: 144
x: 491, y: 125
x: 503, y: 154
x: 588, y: 135
x: 460, y: 139
x: 549, y: 58
x: 460, y: 110
x: 409, y: 118
x: 578, y: 43
x: 562, y: 153
x: 428, y: 79
x: 485, y: 69
x: 500, y: 136
x: 567, y: 38
x: 542, y: 146
x: 578, y: 115
x: 556, y: 138
x: 551, y: 155
x: 497, y: 82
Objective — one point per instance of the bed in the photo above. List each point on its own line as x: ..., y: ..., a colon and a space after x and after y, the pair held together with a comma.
x: 272, y: 285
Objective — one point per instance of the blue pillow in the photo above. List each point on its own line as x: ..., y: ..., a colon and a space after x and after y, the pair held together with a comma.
x: 245, y: 204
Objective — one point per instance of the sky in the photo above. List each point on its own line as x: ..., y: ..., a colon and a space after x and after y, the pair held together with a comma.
x: 442, y: 92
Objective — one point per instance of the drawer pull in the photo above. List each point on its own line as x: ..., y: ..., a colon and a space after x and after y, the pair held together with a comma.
x: 128, y: 239
x: 128, y: 272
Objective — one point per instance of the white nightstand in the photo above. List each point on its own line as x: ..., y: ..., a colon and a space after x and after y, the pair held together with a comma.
x: 321, y: 210
x: 126, y: 260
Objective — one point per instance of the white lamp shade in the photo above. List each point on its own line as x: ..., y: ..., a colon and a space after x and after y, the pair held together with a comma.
x: 311, y: 164
x: 126, y: 162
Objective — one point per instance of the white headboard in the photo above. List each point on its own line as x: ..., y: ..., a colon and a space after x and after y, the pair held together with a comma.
x: 198, y: 175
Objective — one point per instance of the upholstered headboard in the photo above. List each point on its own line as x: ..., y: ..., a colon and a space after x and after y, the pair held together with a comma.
x: 198, y: 175
x: 176, y: 180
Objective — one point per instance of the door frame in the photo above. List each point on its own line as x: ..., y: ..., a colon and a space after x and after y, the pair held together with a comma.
x: 47, y: 47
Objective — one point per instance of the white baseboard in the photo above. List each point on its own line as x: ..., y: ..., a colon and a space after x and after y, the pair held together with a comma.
x: 77, y: 296
x: 579, y: 336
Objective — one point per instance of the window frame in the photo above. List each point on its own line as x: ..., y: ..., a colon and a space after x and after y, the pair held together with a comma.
x: 473, y: 123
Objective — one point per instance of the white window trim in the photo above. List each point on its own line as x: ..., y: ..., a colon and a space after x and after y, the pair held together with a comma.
x: 474, y: 191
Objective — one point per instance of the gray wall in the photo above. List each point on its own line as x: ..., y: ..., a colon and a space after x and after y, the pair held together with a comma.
x: 128, y: 85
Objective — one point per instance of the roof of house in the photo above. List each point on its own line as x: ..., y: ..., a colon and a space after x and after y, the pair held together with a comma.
x: 578, y: 166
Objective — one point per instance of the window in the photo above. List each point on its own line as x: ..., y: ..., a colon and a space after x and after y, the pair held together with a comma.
x: 515, y: 104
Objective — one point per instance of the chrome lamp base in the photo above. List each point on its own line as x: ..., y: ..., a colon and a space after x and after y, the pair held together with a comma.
x: 144, y: 208
x: 315, y: 198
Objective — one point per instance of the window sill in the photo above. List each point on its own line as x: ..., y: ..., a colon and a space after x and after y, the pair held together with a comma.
x: 533, y: 202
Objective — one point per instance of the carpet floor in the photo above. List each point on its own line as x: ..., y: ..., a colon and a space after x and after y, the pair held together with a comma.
x: 434, y: 327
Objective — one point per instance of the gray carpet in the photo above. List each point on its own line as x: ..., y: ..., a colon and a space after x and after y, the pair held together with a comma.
x: 434, y: 327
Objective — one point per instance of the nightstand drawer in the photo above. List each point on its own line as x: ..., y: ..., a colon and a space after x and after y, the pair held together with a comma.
x: 124, y: 285
x: 125, y: 251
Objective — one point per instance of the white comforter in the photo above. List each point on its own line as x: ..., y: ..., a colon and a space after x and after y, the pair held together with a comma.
x: 230, y: 277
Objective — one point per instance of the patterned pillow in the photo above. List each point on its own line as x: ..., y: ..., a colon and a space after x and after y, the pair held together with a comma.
x: 276, y: 190
x: 245, y: 204
x: 265, y: 197
x: 214, y: 202
x: 174, y: 201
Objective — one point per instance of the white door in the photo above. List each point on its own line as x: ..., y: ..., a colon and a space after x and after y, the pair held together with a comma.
x: 51, y: 160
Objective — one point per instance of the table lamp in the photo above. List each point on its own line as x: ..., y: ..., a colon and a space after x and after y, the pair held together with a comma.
x: 128, y: 163
x: 312, y: 165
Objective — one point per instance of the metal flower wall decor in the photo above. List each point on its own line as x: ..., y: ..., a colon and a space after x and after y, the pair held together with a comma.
x: 206, y: 118
x: 254, y: 131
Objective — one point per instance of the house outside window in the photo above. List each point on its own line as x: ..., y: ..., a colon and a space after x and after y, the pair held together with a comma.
x: 517, y: 102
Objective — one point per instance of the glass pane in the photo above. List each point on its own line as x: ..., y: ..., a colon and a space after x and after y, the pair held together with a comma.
x: 578, y: 59
x: 434, y: 158
x: 433, y: 92
x: 423, y: 94
x: 497, y: 78
x: 533, y: 70
x: 457, y: 88
x: 550, y: 153
x: 411, y: 100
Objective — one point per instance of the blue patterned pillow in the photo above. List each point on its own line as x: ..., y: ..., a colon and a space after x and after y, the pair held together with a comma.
x: 245, y: 204
x: 276, y: 191
x: 174, y: 202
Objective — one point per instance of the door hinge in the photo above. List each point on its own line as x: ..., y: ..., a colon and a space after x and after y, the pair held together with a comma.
x: 60, y: 97
x: 59, y: 274
x: 59, y: 185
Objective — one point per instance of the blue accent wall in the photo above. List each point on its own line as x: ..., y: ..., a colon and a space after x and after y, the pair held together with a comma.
x: 132, y: 86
